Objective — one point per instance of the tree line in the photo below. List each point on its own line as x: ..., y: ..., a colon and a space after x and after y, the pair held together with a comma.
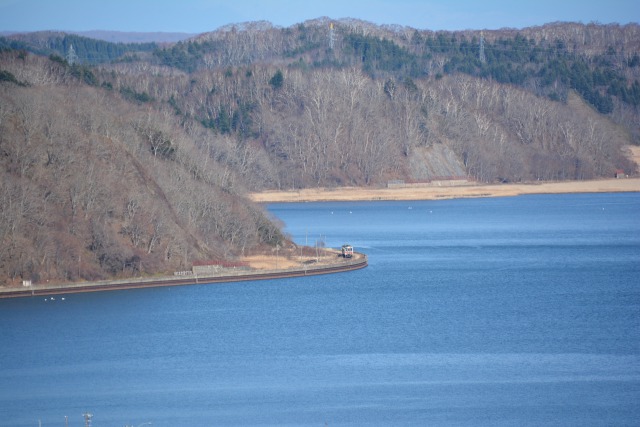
x: 545, y: 64
x: 87, y: 50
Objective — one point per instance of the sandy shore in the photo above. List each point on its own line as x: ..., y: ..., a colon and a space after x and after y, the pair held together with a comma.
x: 435, y: 192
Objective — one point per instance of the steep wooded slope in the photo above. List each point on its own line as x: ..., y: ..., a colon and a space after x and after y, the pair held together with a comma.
x: 94, y: 186
x: 299, y: 128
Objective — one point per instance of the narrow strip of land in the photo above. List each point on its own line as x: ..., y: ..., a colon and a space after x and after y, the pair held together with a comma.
x: 441, y: 190
x: 291, y: 269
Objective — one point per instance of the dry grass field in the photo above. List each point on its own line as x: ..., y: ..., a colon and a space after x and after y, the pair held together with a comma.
x: 435, y: 191
x: 292, y: 259
x: 448, y: 192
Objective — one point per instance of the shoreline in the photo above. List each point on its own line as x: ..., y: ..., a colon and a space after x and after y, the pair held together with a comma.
x: 358, y: 262
x: 346, y: 194
x: 440, y: 192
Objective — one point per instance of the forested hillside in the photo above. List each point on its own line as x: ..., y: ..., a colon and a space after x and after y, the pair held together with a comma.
x: 93, y: 185
x: 76, y: 48
x: 344, y: 103
x: 127, y: 158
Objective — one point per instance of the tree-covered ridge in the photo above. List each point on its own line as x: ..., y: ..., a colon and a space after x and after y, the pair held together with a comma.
x: 382, y: 56
x: 549, y: 60
x: 87, y: 51
x: 546, y: 66
x: 185, y: 56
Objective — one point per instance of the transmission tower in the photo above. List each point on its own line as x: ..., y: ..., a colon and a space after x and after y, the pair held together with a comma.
x: 332, y: 36
x: 482, y: 58
x: 71, y: 55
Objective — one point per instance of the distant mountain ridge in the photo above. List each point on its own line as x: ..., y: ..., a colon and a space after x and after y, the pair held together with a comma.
x: 115, y: 36
x: 135, y: 37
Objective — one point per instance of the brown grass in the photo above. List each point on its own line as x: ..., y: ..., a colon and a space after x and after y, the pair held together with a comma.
x: 440, y: 190
x: 448, y: 192
x: 291, y: 259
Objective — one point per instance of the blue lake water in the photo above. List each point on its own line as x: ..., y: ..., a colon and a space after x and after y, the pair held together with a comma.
x: 505, y: 311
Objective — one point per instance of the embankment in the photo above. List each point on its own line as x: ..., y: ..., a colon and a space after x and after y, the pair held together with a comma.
x: 357, y: 262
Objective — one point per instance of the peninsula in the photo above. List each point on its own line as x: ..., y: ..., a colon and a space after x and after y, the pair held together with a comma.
x: 307, y: 262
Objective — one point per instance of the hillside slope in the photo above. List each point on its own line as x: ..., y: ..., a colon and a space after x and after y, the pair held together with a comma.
x: 370, y: 105
x: 93, y: 186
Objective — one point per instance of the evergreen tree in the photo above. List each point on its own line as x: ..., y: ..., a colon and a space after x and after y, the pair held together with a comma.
x: 277, y: 80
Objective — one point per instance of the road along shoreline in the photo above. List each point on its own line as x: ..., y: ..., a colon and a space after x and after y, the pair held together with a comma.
x: 357, y: 262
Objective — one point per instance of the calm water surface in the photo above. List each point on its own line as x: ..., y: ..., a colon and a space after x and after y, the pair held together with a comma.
x: 506, y: 311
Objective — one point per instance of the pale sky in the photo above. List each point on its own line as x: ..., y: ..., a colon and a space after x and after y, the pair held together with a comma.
x: 198, y: 16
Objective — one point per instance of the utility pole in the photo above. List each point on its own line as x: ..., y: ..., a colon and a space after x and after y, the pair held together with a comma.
x: 482, y: 58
